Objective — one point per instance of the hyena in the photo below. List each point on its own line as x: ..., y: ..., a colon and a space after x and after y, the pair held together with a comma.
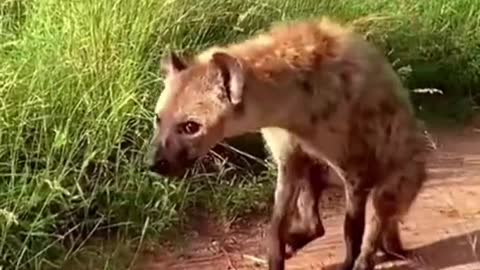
x: 318, y: 92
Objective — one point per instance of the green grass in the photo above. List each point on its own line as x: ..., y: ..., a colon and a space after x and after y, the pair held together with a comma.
x: 78, y: 80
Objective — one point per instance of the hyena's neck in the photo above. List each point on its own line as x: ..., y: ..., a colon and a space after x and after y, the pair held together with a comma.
x: 270, y: 104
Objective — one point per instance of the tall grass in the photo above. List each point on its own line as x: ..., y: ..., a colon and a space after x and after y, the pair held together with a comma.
x: 78, y: 80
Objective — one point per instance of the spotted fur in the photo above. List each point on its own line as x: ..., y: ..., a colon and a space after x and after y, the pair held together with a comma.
x: 320, y: 94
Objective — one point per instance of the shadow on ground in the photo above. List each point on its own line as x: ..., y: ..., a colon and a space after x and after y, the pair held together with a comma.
x: 458, y: 252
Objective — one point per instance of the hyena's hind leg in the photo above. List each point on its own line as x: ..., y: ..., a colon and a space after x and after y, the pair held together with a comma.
x: 391, y: 244
x: 354, y: 221
x: 391, y: 201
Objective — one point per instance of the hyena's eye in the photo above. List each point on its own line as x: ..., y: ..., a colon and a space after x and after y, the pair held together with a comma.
x: 189, y: 127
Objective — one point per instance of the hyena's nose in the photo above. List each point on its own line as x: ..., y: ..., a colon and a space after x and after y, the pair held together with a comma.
x: 161, y: 166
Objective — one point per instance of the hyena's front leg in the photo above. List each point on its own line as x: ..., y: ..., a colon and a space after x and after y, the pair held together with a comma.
x: 354, y: 223
x: 296, y: 219
x: 284, y: 194
x: 300, y: 181
x: 304, y: 220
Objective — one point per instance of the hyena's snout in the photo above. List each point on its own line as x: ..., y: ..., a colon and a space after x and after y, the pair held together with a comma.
x: 168, y: 158
x: 160, y: 167
x: 156, y: 162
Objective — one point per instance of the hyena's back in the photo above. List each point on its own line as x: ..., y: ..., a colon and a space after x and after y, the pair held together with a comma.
x: 329, y: 73
x: 350, y: 104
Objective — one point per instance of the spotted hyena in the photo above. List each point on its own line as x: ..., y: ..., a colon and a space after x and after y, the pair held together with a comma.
x: 320, y: 94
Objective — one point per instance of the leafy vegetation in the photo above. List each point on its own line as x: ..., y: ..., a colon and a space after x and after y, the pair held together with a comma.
x: 78, y: 80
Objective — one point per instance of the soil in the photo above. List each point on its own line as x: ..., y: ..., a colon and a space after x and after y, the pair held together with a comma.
x: 442, y: 230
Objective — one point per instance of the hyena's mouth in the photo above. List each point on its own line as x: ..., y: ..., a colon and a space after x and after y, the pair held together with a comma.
x: 172, y: 169
x: 185, y: 160
x: 165, y: 168
x: 187, y: 164
x: 160, y: 167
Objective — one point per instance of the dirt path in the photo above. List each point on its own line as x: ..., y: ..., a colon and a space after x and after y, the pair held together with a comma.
x: 442, y: 230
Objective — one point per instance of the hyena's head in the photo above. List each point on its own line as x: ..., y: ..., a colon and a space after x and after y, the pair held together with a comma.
x: 199, y: 106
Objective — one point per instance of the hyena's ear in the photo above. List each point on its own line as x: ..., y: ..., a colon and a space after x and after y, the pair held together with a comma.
x: 172, y: 63
x: 233, y: 76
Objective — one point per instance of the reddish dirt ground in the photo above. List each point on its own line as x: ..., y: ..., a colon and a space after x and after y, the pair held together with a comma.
x: 442, y: 231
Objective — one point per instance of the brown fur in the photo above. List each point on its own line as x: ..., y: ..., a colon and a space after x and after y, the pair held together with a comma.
x: 318, y: 93
x: 303, y: 222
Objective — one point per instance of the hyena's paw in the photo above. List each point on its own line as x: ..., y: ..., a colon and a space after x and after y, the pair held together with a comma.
x: 363, y: 263
x: 393, y: 249
x: 299, y: 239
x: 275, y: 263
x: 289, y: 252
x: 296, y: 241
x: 391, y: 253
